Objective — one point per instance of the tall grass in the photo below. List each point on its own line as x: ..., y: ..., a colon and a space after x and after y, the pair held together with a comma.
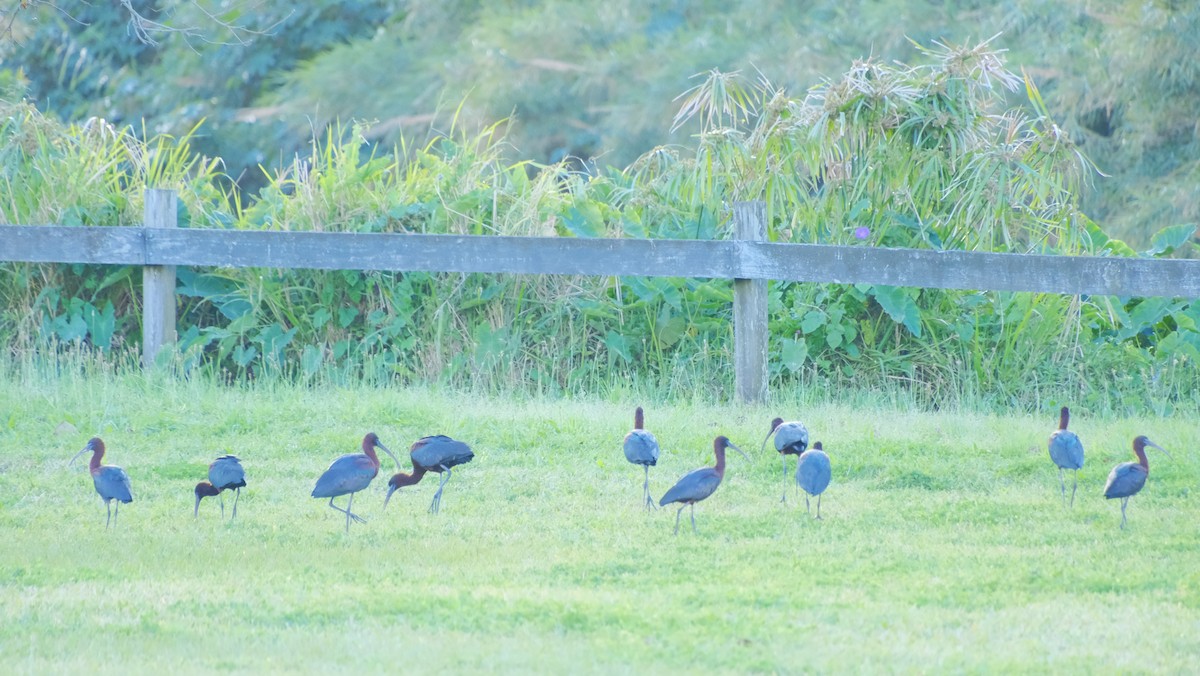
x: 890, y: 155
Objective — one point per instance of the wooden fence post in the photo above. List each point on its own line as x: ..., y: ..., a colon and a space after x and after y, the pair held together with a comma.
x: 750, y: 311
x: 158, y: 281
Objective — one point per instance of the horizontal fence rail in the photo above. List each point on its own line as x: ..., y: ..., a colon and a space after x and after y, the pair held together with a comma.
x: 726, y: 259
x: 159, y: 247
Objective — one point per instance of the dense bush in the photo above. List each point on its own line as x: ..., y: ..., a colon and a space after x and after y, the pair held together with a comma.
x: 923, y: 156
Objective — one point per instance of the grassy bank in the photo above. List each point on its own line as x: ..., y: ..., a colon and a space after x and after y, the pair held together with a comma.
x: 944, y: 546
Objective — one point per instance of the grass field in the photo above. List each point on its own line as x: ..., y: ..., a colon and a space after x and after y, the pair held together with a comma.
x: 944, y: 547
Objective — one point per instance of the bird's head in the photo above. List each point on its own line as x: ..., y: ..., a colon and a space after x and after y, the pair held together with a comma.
x: 817, y: 446
x: 371, y: 442
x: 94, y: 445
x: 1140, y: 444
x: 722, y: 442
x: 774, y: 426
x: 203, y: 490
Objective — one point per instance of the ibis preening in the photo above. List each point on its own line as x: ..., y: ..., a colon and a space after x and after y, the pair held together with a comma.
x: 225, y: 473
x: 791, y: 438
x: 812, y: 474
x: 700, y: 483
x: 431, y: 454
x: 1066, y: 450
x: 1127, y: 478
x: 112, y: 483
x: 641, y: 448
x: 350, y: 474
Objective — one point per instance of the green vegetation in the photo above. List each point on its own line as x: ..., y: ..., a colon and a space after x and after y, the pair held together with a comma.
x: 875, y: 152
x: 944, y: 544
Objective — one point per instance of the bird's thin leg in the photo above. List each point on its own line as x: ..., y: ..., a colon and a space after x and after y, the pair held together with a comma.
x: 221, y: 498
x: 1074, y: 485
x: 693, y: 513
x: 677, y: 519
x: 108, y: 521
x: 437, y: 497
x: 1062, y: 484
x: 1124, y: 501
x: 236, y: 497
x: 347, y: 512
x: 783, y: 463
x: 818, y: 507
x: 646, y: 489
x: 806, y: 505
x: 116, y: 512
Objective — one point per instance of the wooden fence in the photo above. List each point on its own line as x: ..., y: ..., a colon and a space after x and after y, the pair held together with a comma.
x: 748, y: 259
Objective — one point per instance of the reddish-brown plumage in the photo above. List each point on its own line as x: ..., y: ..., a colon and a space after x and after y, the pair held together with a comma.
x: 1139, y: 449
x: 719, y: 445
x: 1064, y: 418
x: 368, y: 447
x: 206, y: 490
x: 639, y: 419
x: 401, y: 480
x: 97, y: 454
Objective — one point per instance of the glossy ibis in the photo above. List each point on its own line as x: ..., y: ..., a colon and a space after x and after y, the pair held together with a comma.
x: 431, y: 454
x: 112, y: 483
x: 700, y: 483
x: 350, y: 474
x: 1066, y: 450
x: 1127, y: 478
x: 812, y: 474
x: 641, y: 448
x: 225, y: 473
x: 791, y: 438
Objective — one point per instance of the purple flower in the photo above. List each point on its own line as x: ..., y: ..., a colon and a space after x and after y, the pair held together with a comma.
x: 862, y: 232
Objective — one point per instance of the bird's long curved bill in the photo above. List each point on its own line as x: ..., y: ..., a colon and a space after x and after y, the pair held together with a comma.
x: 196, y: 511
x: 731, y: 445
x: 85, y: 450
x: 765, y: 440
x: 1154, y: 445
x: 394, y: 458
x: 391, y: 489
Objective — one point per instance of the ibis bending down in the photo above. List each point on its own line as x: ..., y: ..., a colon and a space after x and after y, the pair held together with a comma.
x: 1066, y: 450
x: 431, y: 454
x: 812, y: 474
x: 1127, y: 478
x: 791, y: 438
x: 112, y: 483
x: 350, y: 474
x: 641, y: 448
x: 700, y: 483
x: 225, y: 473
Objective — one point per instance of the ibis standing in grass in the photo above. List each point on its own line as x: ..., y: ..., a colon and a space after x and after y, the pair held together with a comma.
x: 699, y: 483
x: 1066, y: 450
x: 812, y: 474
x: 1127, y: 478
x: 791, y: 438
x: 225, y: 473
x: 350, y: 474
x: 641, y: 448
x: 431, y: 454
x: 112, y: 483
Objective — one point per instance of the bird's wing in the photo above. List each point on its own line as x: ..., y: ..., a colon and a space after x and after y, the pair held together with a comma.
x: 347, y: 474
x: 641, y: 447
x: 113, y: 482
x: 813, y: 472
x: 440, y: 450
x: 226, y: 472
x: 1125, y: 479
x: 695, y: 485
x: 1066, y: 450
x: 791, y: 436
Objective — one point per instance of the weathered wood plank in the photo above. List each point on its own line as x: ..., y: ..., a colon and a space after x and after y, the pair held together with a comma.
x: 672, y: 258
x: 446, y: 253
x: 750, y: 311
x: 61, y: 244
x: 158, y: 281
x: 972, y: 270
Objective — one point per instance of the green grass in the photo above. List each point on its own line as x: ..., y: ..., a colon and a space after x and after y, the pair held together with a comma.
x: 944, y: 546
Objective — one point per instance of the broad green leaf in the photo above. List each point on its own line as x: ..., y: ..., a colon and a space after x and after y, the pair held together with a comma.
x: 812, y: 321
x: 899, y: 306
x: 1170, y: 238
x: 794, y: 353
